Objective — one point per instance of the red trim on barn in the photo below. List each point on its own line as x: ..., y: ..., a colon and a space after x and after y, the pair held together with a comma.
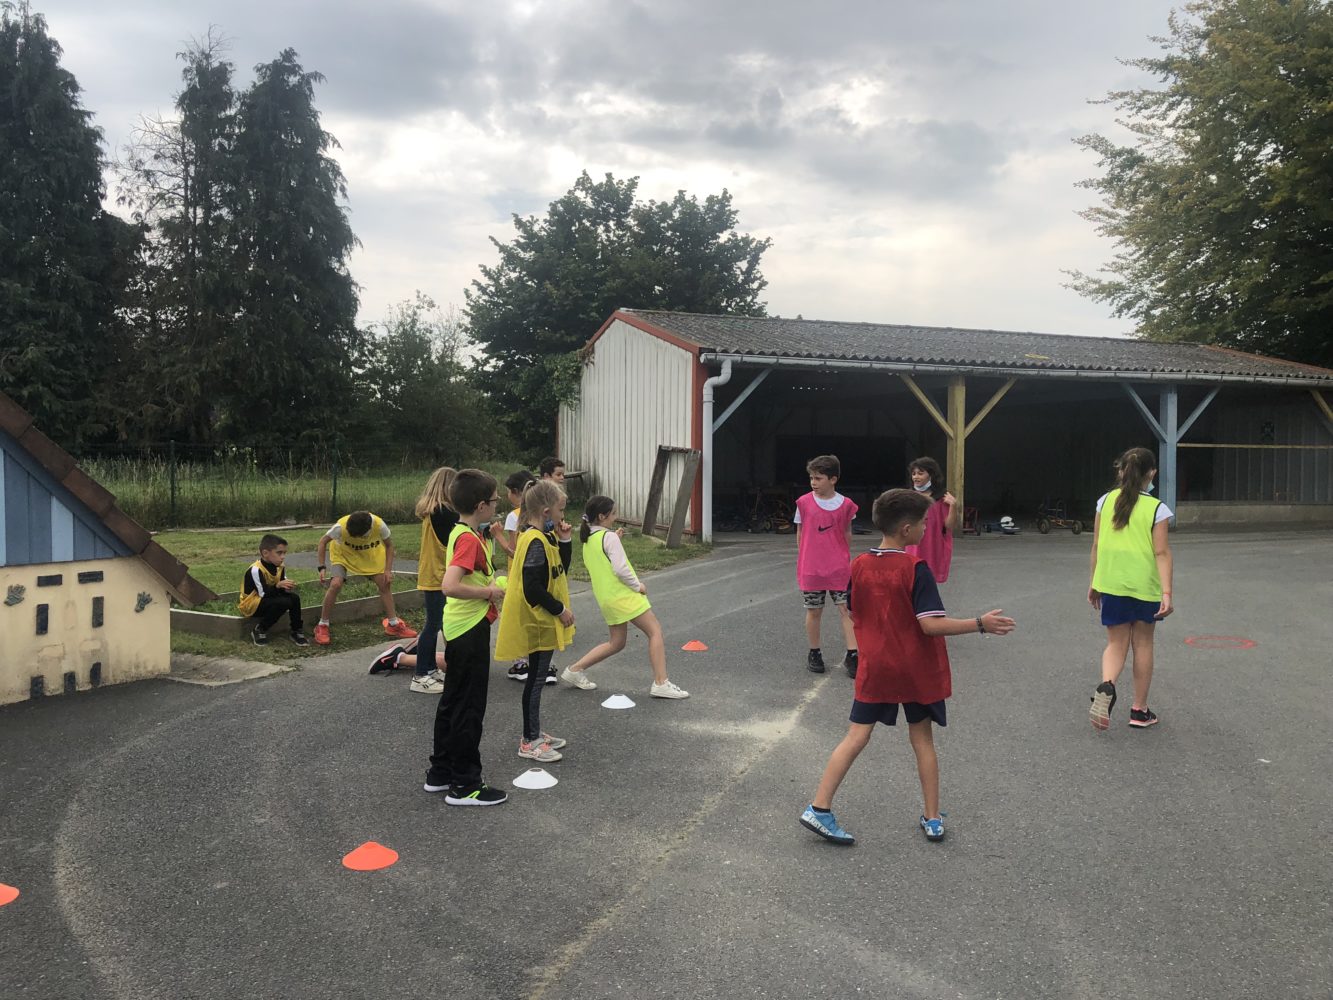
x: 646, y: 327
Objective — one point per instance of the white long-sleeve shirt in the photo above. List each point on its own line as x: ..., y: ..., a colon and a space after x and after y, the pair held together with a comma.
x: 615, y: 552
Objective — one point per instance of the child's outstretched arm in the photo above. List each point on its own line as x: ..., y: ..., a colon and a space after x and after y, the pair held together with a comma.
x: 991, y: 623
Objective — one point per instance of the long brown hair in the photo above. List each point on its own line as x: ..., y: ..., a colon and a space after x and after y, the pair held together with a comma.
x: 931, y: 468
x: 1132, y: 469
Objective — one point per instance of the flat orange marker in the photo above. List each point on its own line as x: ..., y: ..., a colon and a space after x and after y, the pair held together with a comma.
x: 7, y: 894
x: 370, y: 857
x: 694, y: 646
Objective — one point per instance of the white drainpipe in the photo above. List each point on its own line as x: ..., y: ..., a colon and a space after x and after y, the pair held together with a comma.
x: 709, y: 385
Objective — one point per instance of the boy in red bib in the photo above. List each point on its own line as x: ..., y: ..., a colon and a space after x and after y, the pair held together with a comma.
x: 900, y: 627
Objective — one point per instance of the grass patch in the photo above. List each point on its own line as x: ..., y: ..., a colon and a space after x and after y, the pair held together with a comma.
x: 218, y: 559
x: 346, y: 635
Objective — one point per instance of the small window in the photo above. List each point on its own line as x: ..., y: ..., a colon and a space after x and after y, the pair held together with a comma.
x: 91, y: 576
x: 43, y: 618
x: 54, y: 580
x: 99, y: 607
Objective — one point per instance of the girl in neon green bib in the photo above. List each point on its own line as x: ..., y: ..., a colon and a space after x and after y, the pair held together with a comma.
x: 622, y: 598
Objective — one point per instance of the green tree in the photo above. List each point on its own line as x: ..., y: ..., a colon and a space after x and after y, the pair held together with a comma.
x: 290, y: 367
x: 64, y: 262
x: 417, y: 393
x: 1222, y: 206
x: 598, y: 249
x: 177, y: 178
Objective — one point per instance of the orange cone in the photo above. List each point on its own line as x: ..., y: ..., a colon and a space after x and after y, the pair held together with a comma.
x: 370, y: 857
x: 7, y: 894
x: 694, y: 646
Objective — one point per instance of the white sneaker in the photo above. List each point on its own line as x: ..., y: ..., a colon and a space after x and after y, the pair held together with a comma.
x: 539, y: 750
x: 438, y: 674
x: 427, y: 684
x: 667, y: 690
x: 579, y: 678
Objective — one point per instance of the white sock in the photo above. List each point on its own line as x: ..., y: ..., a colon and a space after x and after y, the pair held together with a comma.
x: 323, y: 621
x: 393, y: 621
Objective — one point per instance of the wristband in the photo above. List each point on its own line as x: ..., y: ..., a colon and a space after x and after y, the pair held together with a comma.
x: 980, y: 627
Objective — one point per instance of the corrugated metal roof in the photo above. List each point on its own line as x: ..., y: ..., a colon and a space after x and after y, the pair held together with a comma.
x: 1036, y: 353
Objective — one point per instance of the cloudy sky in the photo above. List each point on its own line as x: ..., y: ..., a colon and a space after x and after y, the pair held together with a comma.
x: 912, y: 161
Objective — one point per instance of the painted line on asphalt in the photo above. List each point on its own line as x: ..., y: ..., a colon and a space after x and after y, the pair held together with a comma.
x: 565, y: 958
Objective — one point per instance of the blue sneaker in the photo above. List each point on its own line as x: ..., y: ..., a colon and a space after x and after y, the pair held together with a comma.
x: 826, y: 825
x: 933, y: 828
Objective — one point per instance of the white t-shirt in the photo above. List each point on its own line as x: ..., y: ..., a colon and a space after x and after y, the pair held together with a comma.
x: 511, y: 520
x: 832, y: 503
x: 336, y: 532
x: 1163, y: 511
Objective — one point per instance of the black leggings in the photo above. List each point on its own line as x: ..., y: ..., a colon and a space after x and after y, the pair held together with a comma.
x: 539, y: 665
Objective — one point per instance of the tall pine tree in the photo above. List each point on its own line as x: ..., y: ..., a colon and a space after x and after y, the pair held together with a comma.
x: 178, y: 179
x: 296, y: 335
x: 64, y: 262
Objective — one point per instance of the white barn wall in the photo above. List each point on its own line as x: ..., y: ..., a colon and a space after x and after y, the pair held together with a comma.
x: 636, y: 393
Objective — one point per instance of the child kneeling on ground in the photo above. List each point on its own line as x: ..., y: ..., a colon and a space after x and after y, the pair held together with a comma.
x: 900, y: 627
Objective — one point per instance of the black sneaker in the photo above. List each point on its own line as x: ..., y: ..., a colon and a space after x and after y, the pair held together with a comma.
x: 815, y: 662
x: 260, y: 638
x: 387, y: 660
x: 1142, y: 718
x: 550, y: 677
x: 481, y: 795
x: 1103, y: 700
x: 518, y: 672
x: 299, y: 638
x: 849, y: 663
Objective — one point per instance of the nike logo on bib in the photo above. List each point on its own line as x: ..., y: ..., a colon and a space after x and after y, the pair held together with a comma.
x: 825, y: 527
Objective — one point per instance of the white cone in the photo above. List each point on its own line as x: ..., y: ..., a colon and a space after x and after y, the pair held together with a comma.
x: 535, y: 777
x: 617, y: 701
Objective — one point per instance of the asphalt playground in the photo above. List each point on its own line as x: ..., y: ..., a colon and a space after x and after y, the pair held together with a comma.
x: 176, y: 841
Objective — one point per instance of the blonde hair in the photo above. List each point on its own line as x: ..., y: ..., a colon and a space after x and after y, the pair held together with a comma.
x: 436, y: 493
x: 539, y: 496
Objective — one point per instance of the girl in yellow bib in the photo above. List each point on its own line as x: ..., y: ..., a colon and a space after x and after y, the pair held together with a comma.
x: 536, y: 619
x: 622, y: 598
x: 1131, y: 582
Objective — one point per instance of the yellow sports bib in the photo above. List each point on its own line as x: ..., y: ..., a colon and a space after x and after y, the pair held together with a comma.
x: 363, y: 555
x: 525, y: 628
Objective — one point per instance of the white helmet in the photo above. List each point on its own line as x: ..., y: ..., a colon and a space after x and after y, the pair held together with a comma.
x: 1006, y: 521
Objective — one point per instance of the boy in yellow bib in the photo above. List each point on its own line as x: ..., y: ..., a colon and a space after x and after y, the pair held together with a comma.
x: 622, y: 597
x: 537, y: 620
x: 358, y: 545
x: 472, y: 588
x: 267, y: 594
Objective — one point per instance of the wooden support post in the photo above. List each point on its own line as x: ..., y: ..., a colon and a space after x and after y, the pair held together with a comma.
x: 654, y: 501
x: 957, y: 436
x: 925, y: 401
x: 692, y: 459
x: 984, y: 412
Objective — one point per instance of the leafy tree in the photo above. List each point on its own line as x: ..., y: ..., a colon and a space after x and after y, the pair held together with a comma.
x: 597, y: 249
x: 1223, y: 205
x: 295, y: 335
x: 64, y: 262
x: 177, y: 177
x: 417, y: 391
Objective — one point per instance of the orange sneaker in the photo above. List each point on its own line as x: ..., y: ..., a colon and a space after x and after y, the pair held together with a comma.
x: 322, y: 637
x: 400, y: 631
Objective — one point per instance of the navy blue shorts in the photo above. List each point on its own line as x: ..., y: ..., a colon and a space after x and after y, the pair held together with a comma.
x: 867, y: 713
x: 1117, y: 610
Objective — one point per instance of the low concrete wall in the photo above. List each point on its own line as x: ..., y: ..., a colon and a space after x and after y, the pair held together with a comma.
x: 70, y: 634
x: 1254, y: 514
x: 236, y: 627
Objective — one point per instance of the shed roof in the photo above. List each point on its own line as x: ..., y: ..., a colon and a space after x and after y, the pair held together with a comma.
x: 60, y: 465
x: 1034, y: 354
